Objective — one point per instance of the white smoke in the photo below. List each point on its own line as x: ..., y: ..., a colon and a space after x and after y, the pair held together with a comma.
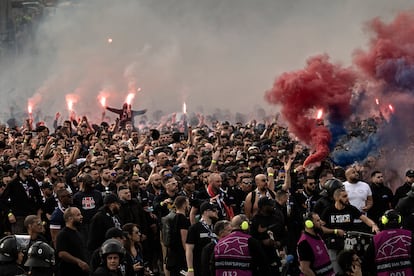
x: 211, y: 54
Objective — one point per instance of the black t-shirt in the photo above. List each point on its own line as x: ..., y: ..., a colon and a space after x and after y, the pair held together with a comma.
x: 50, y: 205
x: 382, y: 198
x: 276, y: 224
x: 339, y: 219
x: 88, y: 203
x: 199, y: 235
x: 11, y: 269
x: 236, y: 198
x: 176, y: 253
x: 70, y: 241
x: 182, y: 223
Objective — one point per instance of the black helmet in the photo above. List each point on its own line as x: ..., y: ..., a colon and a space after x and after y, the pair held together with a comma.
x: 112, y: 246
x: 333, y: 184
x: 10, y: 246
x: 40, y: 255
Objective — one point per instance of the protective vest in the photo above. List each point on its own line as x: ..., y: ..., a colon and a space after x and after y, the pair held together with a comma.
x: 232, y: 255
x: 393, y: 252
x: 322, y: 263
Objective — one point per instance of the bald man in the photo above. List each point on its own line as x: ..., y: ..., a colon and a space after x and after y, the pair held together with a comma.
x: 252, y: 198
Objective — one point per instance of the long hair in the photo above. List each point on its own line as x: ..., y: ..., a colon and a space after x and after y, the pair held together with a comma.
x: 129, y: 228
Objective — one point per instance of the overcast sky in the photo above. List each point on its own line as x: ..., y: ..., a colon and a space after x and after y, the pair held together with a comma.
x: 208, y: 53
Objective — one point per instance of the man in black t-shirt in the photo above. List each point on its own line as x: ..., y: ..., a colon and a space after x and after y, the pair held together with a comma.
x: 339, y: 218
x: 381, y: 196
x: 179, y: 228
x: 199, y: 235
x: 70, y: 247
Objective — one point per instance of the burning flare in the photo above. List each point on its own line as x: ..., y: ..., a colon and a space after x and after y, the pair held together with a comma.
x: 30, y: 108
x: 319, y: 114
x: 103, y: 101
x: 71, y: 99
x: 184, y: 108
x: 129, y: 98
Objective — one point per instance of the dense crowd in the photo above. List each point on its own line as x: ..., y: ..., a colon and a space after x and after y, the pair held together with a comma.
x: 176, y: 199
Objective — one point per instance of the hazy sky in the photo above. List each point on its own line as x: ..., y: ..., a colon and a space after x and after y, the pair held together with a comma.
x: 209, y: 53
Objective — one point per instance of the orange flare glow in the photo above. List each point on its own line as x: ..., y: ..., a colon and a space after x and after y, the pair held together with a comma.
x: 129, y: 98
x: 103, y: 101
x: 184, y: 108
x: 319, y: 114
x: 71, y: 99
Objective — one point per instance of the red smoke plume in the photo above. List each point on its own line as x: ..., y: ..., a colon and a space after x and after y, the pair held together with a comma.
x: 389, y: 43
x: 320, y: 85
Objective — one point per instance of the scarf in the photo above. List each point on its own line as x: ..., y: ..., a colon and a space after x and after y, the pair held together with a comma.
x: 228, y: 210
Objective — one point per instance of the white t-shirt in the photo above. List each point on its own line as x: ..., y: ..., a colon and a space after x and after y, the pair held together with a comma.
x: 358, y: 193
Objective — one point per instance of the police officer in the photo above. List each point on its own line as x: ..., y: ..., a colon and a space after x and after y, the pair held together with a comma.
x: 41, y: 259
x: 11, y: 256
x: 391, y: 251
x: 112, y: 254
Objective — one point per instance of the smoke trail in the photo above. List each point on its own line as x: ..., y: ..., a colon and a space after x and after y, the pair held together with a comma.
x: 355, y: 150
x: 321, y: 85
x: 388, y: 64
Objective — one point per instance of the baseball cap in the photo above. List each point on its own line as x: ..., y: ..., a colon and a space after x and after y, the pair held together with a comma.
x: 410, y: 173
x: 111, y: 198
x: 252, y: 148
x: 23, y: 165
x: 206, y: 206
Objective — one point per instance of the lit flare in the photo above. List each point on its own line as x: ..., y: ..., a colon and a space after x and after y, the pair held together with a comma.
x: 129, y: 98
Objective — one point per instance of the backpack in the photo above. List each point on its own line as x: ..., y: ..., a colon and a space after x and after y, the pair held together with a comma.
x: 169, y: 225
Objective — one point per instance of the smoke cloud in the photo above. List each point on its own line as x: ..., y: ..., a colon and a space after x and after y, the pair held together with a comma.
x: 211, y: 54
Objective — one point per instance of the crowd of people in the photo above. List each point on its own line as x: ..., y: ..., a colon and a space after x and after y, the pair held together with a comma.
x: 211, y: 198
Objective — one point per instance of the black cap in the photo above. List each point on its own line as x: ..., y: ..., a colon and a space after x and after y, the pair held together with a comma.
x: 207, y: 206
x: 410, y: 173
x: 111, y: 198
x: 23, y: 165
